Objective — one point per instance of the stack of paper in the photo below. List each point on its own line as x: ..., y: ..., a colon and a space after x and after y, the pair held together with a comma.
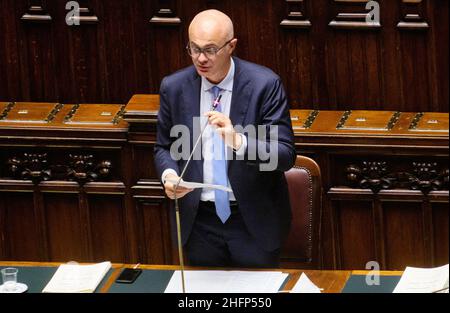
x: 423, y: 280
x: 70, y: 278
x: 227, y: 282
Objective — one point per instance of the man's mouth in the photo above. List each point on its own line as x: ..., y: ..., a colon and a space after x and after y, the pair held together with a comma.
x: 202, y: 68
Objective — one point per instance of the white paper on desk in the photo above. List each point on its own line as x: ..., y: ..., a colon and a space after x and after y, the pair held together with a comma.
x: 227, y: 282
x: 423, y: 280
x: 194, y: 185
x: 73, y: 278
x: 304, y: 285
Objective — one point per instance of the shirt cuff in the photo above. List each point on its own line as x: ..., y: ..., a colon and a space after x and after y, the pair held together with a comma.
x: 167, y: 171
x: 242, y: 148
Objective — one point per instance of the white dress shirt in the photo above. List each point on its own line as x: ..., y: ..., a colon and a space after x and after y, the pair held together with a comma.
x: 206, y: 100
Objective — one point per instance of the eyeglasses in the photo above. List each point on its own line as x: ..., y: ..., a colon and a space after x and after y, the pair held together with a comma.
x: 209, y: 52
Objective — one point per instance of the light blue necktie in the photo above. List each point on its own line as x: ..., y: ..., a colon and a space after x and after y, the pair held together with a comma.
x: 222, y: 201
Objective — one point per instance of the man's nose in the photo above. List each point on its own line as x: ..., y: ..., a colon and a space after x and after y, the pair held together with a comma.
x: 202, y: 58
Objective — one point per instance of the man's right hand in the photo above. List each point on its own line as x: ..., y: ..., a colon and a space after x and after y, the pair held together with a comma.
x: 170, y: 187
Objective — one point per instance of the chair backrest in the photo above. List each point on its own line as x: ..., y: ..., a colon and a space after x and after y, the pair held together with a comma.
x: 302, y: 248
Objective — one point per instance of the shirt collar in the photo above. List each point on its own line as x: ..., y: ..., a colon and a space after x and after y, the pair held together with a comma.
x: 225, y: 84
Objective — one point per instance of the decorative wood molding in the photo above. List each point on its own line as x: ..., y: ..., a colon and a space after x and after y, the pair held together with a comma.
x: 423, y: 176
x: 303, y: 119
x: 36, y: 13
x: 310, y: 119
x: 412, y: 15
x: 345, y: 20
x: 31, y: 166
x: 426, y: 177
x: 54, y: 112
x: 71, y: 113
x: 393, y: 120
x: 6, y: 110
x: 85, y: 16
x: 166, y: 15
x: 343, y: 119
x: 119, y: 115
x: 371, y: 175
x: 352, y: 21
x: 296, y: 15
x: 82, y: 168
x: 417, y: 117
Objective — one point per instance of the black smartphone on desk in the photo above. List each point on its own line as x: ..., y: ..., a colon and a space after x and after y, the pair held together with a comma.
x: 128, y: 275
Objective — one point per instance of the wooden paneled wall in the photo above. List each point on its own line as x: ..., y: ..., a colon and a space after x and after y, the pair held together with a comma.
x: 327, y: 57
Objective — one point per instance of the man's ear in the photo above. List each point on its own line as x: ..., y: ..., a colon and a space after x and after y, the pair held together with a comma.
x: 233, y: 44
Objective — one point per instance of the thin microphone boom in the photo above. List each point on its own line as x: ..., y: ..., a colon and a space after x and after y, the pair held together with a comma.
x: 177, y: 210
x: 214, y: 106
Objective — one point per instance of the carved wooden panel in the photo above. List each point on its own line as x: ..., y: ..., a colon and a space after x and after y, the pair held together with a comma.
x: 155, y: 231
x: 80, y: 167
x: 36, y: 54
x: 402, y: 224
x: 108, y: 231
x: 143, y: 155
x: 65, y: 224
x: 399, y: 195
x: 423, y: 176
x: 296, y: 15
x: 440, y: 233
x: 19, y: 232
x: 351, y: 220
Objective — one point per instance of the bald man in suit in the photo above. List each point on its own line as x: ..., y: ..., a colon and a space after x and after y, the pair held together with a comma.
x: 245, y: 227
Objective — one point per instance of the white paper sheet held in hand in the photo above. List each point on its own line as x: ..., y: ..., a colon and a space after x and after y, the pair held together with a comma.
x: 304, y: 285
x: 227, y: 282
x: 194, y: 185
x: 423, y: 280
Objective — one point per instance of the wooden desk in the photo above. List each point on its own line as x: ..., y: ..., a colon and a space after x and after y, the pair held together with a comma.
x: 330, y: 281
x: 116, y: 269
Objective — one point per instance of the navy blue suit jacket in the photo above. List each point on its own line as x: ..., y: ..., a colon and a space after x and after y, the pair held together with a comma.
x: 258, y: 98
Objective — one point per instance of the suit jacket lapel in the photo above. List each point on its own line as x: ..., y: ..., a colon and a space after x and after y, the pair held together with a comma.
x: 242, y: 91
x: 241, y: 95
x: 191, y: 100
x: 190, y: 109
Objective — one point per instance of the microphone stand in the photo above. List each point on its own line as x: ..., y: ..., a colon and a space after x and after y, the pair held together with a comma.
x: 177, y: 209
x: 180, y: 248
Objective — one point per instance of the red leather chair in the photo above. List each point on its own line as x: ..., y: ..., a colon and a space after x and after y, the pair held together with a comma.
x: 303, y: 248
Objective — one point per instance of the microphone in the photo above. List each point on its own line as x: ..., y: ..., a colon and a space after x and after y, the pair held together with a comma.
x: 177, y: 210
